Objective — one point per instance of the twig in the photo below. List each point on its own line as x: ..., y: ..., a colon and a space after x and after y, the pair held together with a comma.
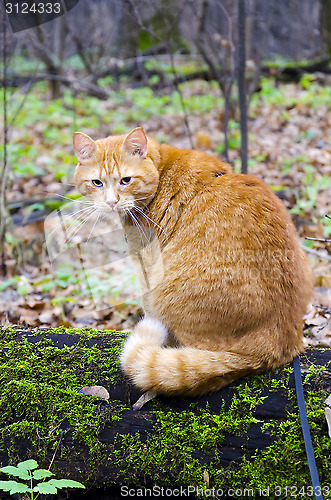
x: 84, y: 56
x: 224, y: 76
x: 176, y: 85
x: 323, y: 240
x: 200, y: 41
x: 241, y: 83
x: 5, y: 169
x: 55, y: 452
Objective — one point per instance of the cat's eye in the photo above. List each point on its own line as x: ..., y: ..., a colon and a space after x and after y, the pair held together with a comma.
x: 125, y: 180
x: 97, y: 183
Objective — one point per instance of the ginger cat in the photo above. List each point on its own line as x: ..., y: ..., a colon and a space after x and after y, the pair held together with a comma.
x: 236, y: 281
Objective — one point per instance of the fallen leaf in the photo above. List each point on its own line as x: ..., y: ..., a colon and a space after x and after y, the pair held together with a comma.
x: 147, y: 396
x: 328, y: 418
x: 326, y: 281
x: 206, y: 478
x: 95, y: 390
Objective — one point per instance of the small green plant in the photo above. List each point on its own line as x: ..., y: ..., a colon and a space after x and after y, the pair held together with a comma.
x: 29, y: 472
x: 308, y: 193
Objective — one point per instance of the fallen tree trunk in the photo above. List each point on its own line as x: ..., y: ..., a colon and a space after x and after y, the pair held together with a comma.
x: 247, y: 435
x: 139, y: 76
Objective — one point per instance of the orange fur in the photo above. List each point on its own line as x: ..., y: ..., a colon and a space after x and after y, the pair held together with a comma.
x: 235, y: 280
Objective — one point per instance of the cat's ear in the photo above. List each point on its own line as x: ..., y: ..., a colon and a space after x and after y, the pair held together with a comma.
x: 85, y: 147
x: 136, y: 143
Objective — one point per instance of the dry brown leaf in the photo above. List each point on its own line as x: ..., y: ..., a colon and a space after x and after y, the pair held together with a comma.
x: 326, y: 281
x: 95, y: 390
x: 321, y: 296
x: 35, y: 302
x: 202, y: 141
x: 147, y: 396
x: 328, y: 419
x: 206, y: 478
x: 54, y: 314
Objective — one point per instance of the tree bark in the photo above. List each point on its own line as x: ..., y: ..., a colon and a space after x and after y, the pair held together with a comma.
x: 211, y: 440
x: 326, y: 24
x: 242, y: 84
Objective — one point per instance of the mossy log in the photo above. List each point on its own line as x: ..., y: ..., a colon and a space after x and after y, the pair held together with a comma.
x: 247, y: 435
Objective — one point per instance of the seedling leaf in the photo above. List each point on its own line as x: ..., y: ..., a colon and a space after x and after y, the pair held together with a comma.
x: 66, y: 483
x: 45, y: 488
x: 41, y: 474
x: 15, y: 471
x: 14, y: 487
x: 28, y: 465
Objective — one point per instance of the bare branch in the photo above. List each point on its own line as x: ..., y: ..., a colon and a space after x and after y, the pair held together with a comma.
x: 5, y: 165
x: 323, y: 240
x: 241, y: 83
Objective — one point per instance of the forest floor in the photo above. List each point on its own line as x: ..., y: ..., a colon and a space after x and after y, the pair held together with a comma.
x: 289, y: 147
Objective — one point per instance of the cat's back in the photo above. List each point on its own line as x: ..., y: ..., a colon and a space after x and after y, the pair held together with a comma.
x: 239, y: 198
x: 198, y: 190
x: 200, y: 177
x: 238, y: 215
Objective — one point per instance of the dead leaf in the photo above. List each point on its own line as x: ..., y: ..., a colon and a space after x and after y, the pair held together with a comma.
x: 326, y: 281
x: 206, y: 478
x: 65, y: 323
x: 328, y: 419
x: 95, y: 390
x: 202, y: 140
x: 35, y: 302
x: 147, y: 396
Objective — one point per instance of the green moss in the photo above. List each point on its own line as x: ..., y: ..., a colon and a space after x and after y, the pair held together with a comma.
x: 39, y: 391
x: 169, y: 455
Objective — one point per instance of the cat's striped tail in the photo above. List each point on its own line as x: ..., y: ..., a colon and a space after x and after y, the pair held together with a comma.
x: 184, y: 370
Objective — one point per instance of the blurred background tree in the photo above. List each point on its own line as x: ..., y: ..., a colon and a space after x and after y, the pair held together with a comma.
x: 130, y: 38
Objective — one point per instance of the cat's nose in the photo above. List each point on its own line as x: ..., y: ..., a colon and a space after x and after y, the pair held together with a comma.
x: 112, y: 203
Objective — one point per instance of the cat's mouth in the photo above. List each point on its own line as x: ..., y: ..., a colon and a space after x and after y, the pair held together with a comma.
x: 110, y: 207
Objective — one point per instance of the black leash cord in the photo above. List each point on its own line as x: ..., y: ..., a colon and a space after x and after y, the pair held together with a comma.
x: 305, y: 430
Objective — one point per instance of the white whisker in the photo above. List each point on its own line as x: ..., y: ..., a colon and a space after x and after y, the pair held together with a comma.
x: 73, y: 220
x: 85, y: 202
x: 64, y: 220
x: 139, y: 210
x: 93, y: 227
x: 144, y: 197
x: 140, y: 228
x: 83, y: 222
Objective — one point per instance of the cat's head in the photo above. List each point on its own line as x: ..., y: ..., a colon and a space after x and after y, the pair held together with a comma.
x: 116, y: 173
